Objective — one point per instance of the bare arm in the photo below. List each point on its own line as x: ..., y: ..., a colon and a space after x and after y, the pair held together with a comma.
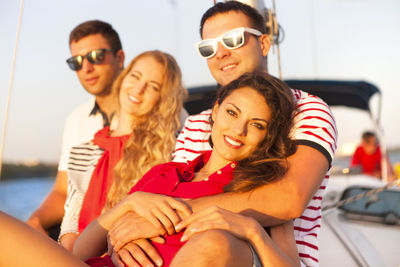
x: 157, y: 209
x: 20, y: 245
x: 283, y: 236
x: 92, y: 242
x: 279, y: 249
x: 51, y: 211
x: 68, y: 241
x: 282, y: 200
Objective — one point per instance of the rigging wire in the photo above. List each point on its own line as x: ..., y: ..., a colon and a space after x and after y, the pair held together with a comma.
x: 3, y: 135
x: 371, y: 193
x: 276, y: 39
x: 314, y: 44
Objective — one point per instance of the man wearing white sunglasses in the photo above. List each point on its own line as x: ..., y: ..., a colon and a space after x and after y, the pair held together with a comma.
x: 231, y: 49
x: 234, y: 42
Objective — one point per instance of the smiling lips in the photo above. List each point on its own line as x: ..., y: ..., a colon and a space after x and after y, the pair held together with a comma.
x: 92, y: 81
x: 228, y: 67
x: 234, y: 143
x: 134, y: 99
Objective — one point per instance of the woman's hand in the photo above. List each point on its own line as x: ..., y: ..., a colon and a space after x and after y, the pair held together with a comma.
x: 136, y: 253
x: 217, y: 218
x: 127, y: 241
x: 162, y: 211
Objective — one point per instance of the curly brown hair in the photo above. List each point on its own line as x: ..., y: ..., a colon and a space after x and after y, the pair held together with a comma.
x: 269, y: 161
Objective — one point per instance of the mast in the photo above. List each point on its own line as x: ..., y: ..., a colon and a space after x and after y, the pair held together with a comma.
x: 10, y: 86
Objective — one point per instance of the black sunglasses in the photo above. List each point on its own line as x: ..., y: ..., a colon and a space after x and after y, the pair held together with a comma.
x: 95, y: 57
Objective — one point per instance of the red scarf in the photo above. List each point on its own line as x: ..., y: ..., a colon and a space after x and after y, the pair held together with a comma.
x: 102, y: 177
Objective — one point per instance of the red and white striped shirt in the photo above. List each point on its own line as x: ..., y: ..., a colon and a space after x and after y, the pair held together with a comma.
x: 314, y: 125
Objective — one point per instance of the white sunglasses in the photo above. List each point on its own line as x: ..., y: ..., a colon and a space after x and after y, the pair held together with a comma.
x: 231, y: 40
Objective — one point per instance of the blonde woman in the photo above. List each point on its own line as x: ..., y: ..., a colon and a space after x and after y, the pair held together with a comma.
x: 100, y: 173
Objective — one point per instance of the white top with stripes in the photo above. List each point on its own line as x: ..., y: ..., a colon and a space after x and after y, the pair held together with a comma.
x: 81, y: 164
x: 314, y: 125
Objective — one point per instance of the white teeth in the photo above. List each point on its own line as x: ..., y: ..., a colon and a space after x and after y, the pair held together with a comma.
x: 228, y: 67
x: 232, y: 142
x: 132, y: 98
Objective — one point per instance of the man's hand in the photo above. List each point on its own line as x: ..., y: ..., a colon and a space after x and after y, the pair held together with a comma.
x: 131, y: 227
x: 217, y: 218
x: 162, y: 211
x: 137, y: 253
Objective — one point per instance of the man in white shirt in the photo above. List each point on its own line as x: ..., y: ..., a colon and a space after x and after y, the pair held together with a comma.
x: 97, y: 58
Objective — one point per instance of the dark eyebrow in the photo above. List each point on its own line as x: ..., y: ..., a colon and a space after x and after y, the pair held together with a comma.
x: 238, y: 109
x: 257, y: 119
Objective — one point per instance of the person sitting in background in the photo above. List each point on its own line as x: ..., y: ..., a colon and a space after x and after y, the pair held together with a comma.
x: 368, y: 156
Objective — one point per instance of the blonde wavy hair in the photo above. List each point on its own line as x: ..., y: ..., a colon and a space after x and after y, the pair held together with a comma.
x: 154, y: 136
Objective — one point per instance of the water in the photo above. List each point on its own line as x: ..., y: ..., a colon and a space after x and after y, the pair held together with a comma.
x: 21, y: 197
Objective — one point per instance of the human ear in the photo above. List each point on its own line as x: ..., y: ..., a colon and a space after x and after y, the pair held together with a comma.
x: 265, y: 43
x: 214, y: 112
x: 121, y: 58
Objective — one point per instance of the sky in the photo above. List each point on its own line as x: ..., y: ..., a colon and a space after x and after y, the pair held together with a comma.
x: 324, y: 39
